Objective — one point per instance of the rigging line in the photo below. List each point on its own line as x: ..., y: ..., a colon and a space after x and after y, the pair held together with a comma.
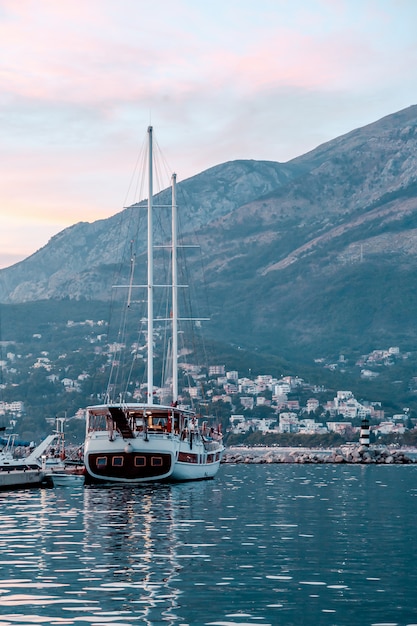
x: 132, y: 271
x: 126, y: 221
x: 141, y: 168
x: 165, y: 350
x: 197, y: 337
x: 116, y: 369
x: 135, y: 347
x: 122, y: 361
x: 139, y: 160
x: 128, y: 217
x: 204, y: 290
x: 129, y: 377
x: 163, y: 170
x: 130, y: 220
x: 166, y: 265
x: 187, y: 373
x: 138, y: 167
x: 132, y: 344
x: 141, y: 332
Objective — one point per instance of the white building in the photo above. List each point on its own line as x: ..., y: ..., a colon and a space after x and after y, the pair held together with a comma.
x: 193, y: 392
x: 43, y: 362
x: 17, y: 407
x: 247, y: 386
x: 239, y: 424
x: 338, y: 427
x: 288, y: 423
x: 387, y: 428
x: 312, y: 405
x: 309, y: 427
x: 282, y: 388
x: 247, y: 402
x: 261, y: 401
x: 342, y: 397
x: 264, y: 425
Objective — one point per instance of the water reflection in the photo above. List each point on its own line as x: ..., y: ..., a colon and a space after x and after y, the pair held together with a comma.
x: 129, y: 533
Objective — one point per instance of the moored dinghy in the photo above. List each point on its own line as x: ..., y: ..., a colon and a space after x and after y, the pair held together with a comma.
x: 128, y: 442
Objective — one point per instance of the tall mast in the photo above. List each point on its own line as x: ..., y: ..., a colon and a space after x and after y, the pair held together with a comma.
x: 150, y: 270
x: 174, y: 291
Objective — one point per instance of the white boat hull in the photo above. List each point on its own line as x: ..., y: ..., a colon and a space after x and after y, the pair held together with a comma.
x: 64, y: 479
x: 149, y: 457
x: 202, y: 471
x: 173, y: 469
x: 20, y: 478
x: 133, y: 460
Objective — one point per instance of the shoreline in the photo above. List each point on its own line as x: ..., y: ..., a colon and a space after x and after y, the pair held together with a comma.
x: 348, y: 453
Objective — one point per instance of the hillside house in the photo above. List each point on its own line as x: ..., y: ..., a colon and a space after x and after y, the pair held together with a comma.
x: 312, y: 405
x: 288, y: 423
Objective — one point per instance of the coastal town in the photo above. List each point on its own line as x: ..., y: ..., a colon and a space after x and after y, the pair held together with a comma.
x: 248, y: 403
x: 341, y: 414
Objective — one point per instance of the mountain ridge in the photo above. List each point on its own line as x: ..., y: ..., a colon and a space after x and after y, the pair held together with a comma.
x: 284, y: 244
x: 46, y: 273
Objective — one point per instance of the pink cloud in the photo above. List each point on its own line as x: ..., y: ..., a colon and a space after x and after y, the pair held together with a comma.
x: 291, y: 59
x: 54, y: 51
x: 99, y: 55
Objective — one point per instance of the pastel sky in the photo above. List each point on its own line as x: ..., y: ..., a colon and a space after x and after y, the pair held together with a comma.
x: 80, y: 81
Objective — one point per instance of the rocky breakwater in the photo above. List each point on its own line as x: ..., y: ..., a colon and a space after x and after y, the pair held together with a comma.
x: 343, y: 454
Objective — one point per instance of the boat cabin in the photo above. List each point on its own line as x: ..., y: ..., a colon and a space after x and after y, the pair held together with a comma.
x: 131, y: 421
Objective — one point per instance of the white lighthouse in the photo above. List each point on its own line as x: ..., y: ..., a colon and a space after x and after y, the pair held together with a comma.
x: 364, y: 432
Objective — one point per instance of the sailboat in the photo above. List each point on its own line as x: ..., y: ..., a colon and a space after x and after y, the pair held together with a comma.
x: 133, y: 442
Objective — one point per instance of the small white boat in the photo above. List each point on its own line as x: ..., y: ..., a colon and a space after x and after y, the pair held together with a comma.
x: 128, y: 442
x: 45, y: 466
x: 20, y: 473
x: 62, y: 478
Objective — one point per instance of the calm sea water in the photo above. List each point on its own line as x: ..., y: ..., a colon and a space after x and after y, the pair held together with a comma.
x: 269, y: 544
